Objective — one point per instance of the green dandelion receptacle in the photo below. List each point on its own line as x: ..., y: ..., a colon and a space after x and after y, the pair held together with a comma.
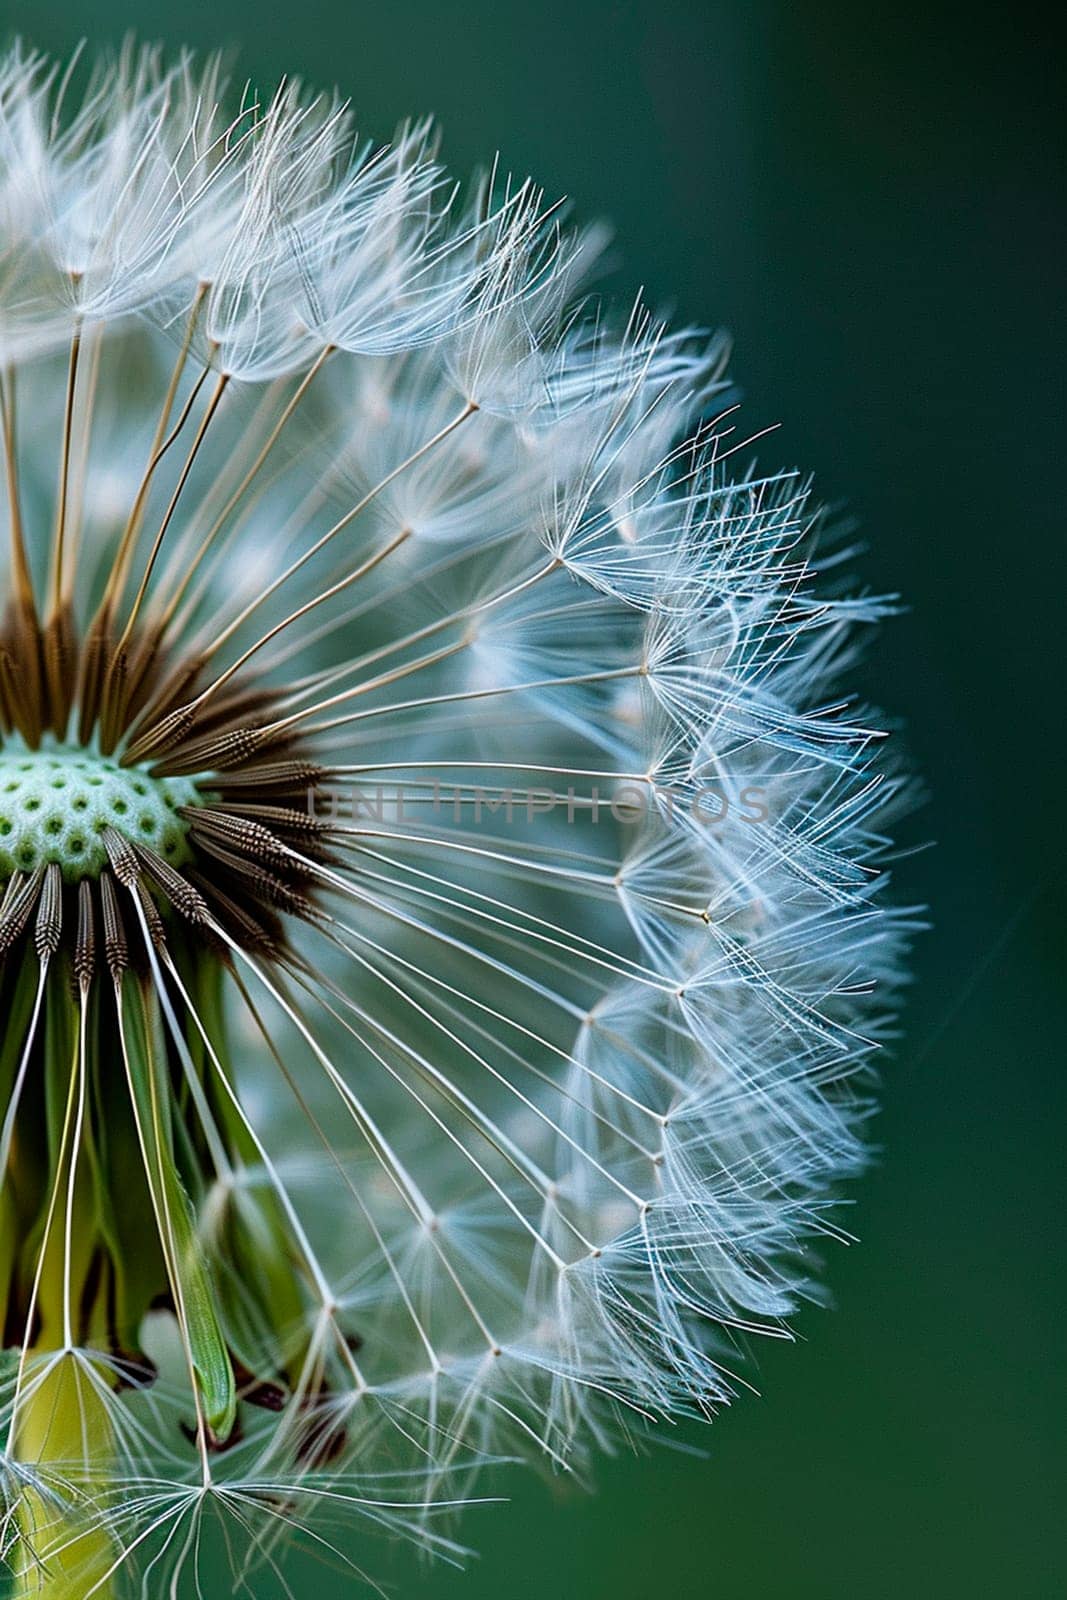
x: 57, y: 801
x: 443, y: 931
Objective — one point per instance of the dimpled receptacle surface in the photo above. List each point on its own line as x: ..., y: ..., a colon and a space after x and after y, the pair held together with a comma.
x: 56, y: 802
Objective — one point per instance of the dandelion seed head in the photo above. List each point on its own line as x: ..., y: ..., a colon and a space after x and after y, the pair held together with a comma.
x: 443, y: 939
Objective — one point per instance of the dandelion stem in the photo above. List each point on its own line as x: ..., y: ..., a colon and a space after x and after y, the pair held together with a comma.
x: 62, y: 1554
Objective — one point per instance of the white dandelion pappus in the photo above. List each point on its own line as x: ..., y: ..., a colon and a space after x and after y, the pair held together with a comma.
x: 383, y: 1096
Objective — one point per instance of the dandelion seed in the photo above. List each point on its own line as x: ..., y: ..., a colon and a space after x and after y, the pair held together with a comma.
x: 345, y: 1153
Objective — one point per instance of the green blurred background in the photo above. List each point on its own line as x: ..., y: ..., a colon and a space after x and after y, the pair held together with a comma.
x: 869, y: 197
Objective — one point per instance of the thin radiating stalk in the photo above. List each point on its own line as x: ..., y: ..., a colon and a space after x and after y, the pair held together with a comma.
x: 58, y: 575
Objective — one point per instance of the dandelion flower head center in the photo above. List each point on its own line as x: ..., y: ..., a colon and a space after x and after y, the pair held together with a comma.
x: 56, y: 803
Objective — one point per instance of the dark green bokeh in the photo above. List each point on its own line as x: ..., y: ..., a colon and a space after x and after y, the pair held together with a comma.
x: 867, y: 196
